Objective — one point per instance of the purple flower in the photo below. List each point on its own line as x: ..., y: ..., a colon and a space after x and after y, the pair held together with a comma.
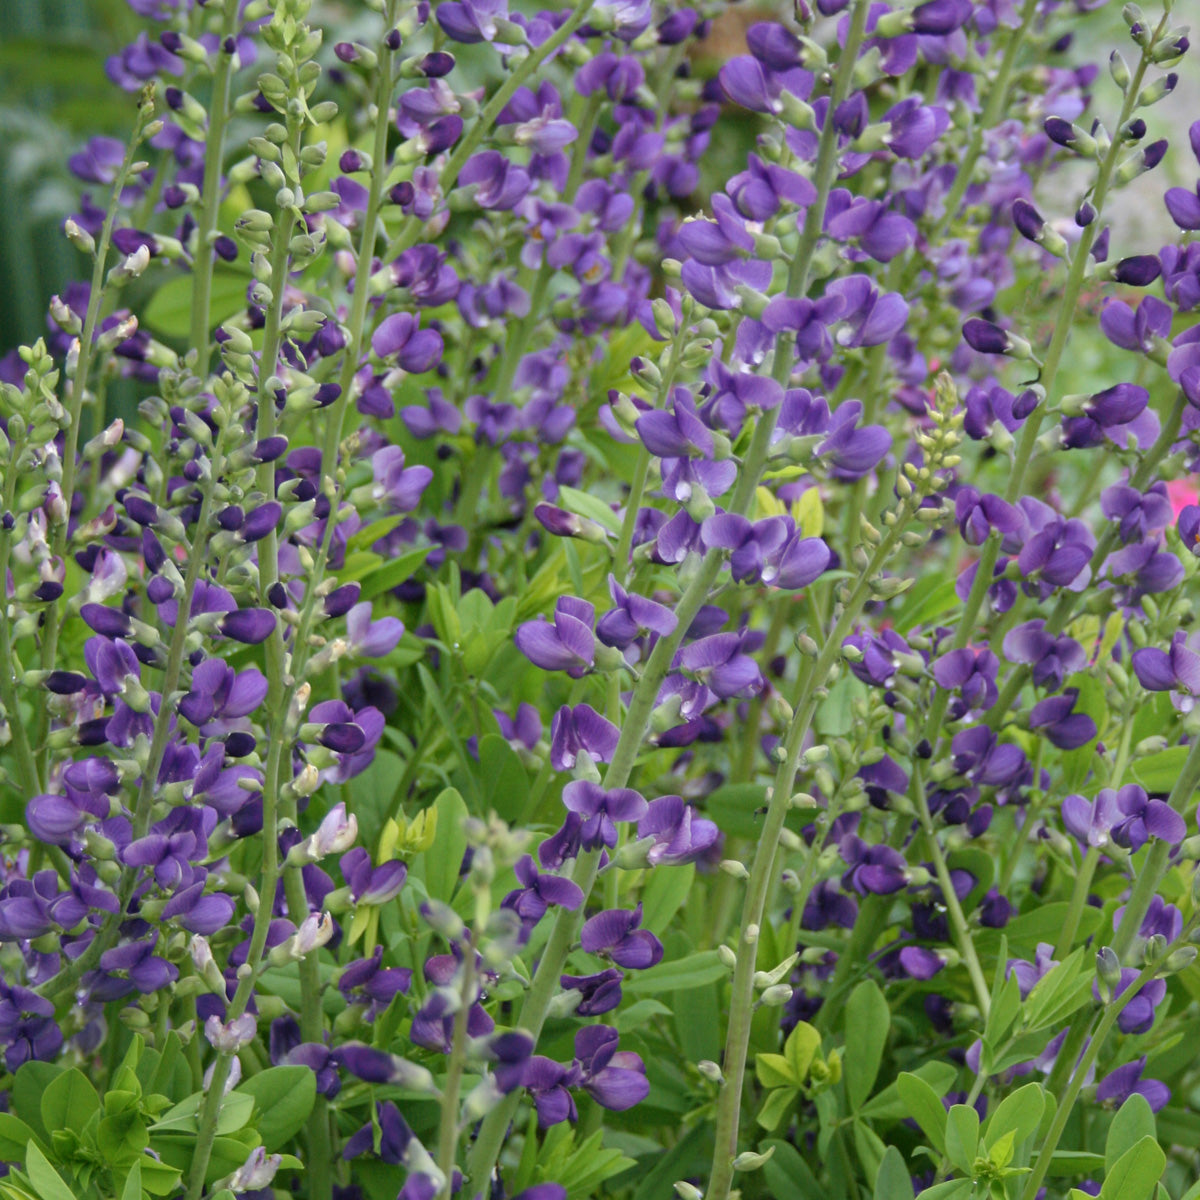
x: 679, y: 835
x: 632, y: 617
x: 1176, y: 671
x: 877, y: 870
x: 600, y: 810
x: 920, y: 963
x: 614, y: 933
x: 398, y: 486
x: 600, y: 993
x: 395, y: 1136
x: 1144, y: 818
x: 219, y: 694
x: 719, y: 663
x: 471, y: 21
x: 1052, y: 658
x: 498, y: 182
x: 372, y: 639
x: 1126, y: 1081
x: 1139, y: 513
x: 1066, y: 729
x: 539, y: 892
x: 581, y: 730
x: 1058, y: 551
x: 976, y: 516
x: 399, y: 338
x: 615, y: 1079
x: 977, y: 753
x: 566, y: 644
x: 828, y: 905
x: 970, y: 672
x: 369, y: 884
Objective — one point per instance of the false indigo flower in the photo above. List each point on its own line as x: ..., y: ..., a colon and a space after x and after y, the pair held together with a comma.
x: 1052, y: 658
x: 568, y: 644
x: 1126, y: 1081
x: 632, y: 616
x: 1176, y: 671
x: 614, y: 933
x: 600, y: 809
x: 679, y: 835
x: 540, y: 892
x: 1066, y: 729
x: 581, y: 730
x: 877, y: 870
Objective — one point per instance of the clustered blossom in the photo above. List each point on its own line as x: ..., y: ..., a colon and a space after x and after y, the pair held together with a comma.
x: 659, y: 552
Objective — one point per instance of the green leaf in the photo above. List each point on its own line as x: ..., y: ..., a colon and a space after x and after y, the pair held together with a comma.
x: 1134, y: 1174
x: 922, y: 604
x: 777, y: 1104
x: 283, y: 1098
x: 962, y: 1137
x: 925, y: 1107
x: 1075, y: 1164
x: 29, y: 1086
x: 46, y: 1180
x: 869, y: 1147
x: 950, y: 1190
x: 591, y: 507
x: 892, y: 1181
x: 505, y: 782
x: 1006, y: 1004
x: 444, y: 858
x: 133, y: 1183
x: 733, y: 806
x: 236, y: 1111
x: 368, y: 535
x: 1159, y: 772
x: 866, y: 1024
x: 1043, y: 924
x: 638, y: 1014
x: 169, y: 311
x: 787, y: 1174
x: 1133, y: 1122
x: 1019, y: 1113
x: 393, y: 572
x: 889, y: 1105
x: 682, y: 975
x: 69, y: 1102
x: 664, y: 895
x: 801, y: 1048
x: 774, y: 1071
x: 15, y: 1135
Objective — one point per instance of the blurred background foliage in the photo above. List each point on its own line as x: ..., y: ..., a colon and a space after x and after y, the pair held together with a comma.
x: 54, y: 94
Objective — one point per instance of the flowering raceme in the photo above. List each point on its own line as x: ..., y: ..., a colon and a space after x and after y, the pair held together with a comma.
x: 595, y: 603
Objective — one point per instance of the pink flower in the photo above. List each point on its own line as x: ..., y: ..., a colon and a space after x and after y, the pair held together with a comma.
x: 1182, y: 492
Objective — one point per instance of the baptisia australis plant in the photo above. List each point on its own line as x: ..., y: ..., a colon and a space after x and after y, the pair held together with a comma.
x: 591, y: 613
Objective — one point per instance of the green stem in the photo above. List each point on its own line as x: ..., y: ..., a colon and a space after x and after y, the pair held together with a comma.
x: 1045, y: 1154
x: 741, y: 1010
x: 448, y: 1125
x: 356, y: 327
x: 214, y: 148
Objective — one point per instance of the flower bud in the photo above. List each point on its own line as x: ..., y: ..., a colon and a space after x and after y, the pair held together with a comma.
x: 749, y: 1161
x: 776, y: 996
x: 1108, y: 972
